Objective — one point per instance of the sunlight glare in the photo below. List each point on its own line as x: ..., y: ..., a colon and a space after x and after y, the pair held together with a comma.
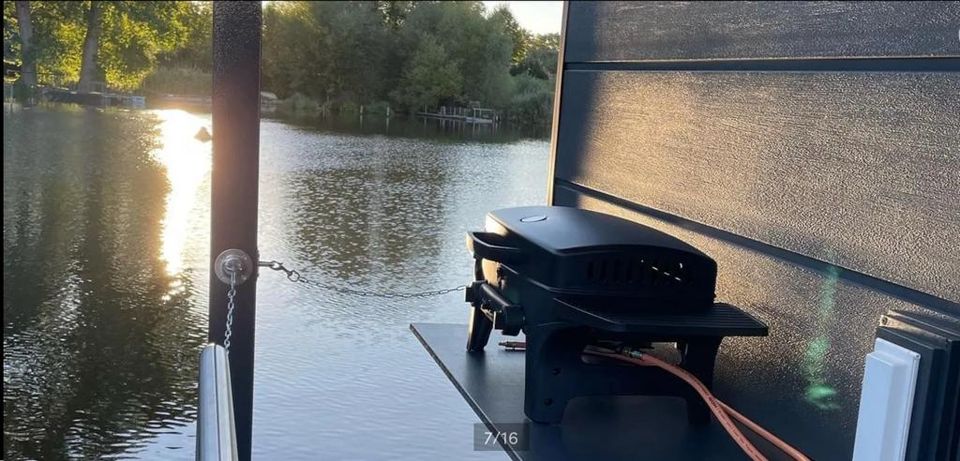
x: 187, y: 161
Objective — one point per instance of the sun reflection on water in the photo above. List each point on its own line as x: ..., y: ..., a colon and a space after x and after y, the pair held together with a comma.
x: 187, y: 161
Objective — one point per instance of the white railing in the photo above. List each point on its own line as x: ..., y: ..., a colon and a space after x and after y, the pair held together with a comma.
x: 216, y: 430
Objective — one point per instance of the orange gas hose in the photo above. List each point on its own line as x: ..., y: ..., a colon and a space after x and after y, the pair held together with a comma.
x: 649, y: 360
x: 708, y: 398
x: 765, y: 434
x: 721, y: 410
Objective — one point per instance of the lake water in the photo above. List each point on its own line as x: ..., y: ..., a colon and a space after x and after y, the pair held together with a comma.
x: 105, y: 244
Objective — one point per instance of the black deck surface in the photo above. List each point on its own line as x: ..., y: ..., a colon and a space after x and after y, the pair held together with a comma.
x: 595, y: 428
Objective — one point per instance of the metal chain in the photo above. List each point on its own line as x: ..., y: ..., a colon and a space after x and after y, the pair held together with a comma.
x: 231, y: 305
x: 294, y: 276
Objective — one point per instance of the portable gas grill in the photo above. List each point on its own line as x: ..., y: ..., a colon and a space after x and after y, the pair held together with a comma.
x: 569, y: 278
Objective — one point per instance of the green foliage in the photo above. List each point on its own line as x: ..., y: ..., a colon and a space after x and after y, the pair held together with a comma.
x: 479, y: 45
x: 330, y: 51
x: 289, y: 52
x: 11, y: 36
x: 336, y: 55
x: 188, y: 81
x: 377, y: 108
x: 531, y: 100
x: 196, y: 51
x: 356, y: 47
x: 429, y: 78
x: 394, y: 12
x: 414, y: 54
x: 58, y: 31
x: 297, y: 104
x: 540, y: 59
x: 133, y: 35
x: 519, y: 37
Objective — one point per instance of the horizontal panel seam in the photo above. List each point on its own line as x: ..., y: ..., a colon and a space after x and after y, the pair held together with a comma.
x: 889, y: 64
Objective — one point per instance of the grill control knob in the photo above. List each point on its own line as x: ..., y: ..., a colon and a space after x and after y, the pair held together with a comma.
x: 534, y: 218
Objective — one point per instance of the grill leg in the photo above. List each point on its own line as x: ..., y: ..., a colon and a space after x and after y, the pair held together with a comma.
x: 552, y: 378
x: 556, y: 373
x: 698, y: 357
x: 480, y: 326
x: 478, y: 331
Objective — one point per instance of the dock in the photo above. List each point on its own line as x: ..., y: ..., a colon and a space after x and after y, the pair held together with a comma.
x: 98, y: 99
x: 468, y: 115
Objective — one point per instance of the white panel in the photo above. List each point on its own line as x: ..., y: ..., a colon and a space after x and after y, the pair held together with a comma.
x: 886, y: 402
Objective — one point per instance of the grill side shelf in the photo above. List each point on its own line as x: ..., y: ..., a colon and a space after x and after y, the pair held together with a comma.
x: 720, y: 320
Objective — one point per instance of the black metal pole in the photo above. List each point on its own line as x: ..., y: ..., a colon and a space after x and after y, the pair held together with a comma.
x: 236, y: 157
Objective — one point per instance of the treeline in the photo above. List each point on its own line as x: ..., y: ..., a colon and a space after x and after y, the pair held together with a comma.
x: 330, y: 56
x: 92, y: 44
x: 413, y: 55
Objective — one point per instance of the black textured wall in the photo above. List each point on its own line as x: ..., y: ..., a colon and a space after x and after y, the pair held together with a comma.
x: 812, y: 149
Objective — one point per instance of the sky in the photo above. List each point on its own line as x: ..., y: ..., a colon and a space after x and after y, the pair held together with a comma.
x: 535, y: 16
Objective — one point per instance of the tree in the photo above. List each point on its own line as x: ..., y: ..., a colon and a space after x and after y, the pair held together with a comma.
x: 293, y: 50
x: 28, y: 67
x: 493, y: 86
x: 51, y: 48
x: 91, y: 42
x: 518, y: 35
x: 196, y: 51
x: 58, y: 29
x: 394, y: 12
x: 479, y: 44
x: 335, y: 52
x: 11, y: 36
x: 340, y: 54
x: 355, y: 44
x: 531, y: 100
x: 430, y: 76
x: 135, y: 33
x: 117, y: 42
x: 540, y: 59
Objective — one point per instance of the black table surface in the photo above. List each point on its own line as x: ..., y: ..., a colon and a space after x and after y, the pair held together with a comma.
x: 593, y: 428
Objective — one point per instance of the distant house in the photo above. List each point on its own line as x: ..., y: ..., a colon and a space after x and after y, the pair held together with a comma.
x: 268, y: 102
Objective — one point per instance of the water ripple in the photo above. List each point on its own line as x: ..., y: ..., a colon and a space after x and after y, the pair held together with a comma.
x: 105, y: 286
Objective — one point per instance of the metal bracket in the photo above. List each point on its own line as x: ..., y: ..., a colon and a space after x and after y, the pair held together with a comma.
x: 236, y: 261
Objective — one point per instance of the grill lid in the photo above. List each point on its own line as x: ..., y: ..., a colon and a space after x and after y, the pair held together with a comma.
x: 572, y: 230
x: 576, y: 252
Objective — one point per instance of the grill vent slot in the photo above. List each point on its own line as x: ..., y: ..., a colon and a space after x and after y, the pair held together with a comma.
x: 636, y: 272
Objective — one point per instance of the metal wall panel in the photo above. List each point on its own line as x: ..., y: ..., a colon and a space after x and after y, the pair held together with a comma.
x: 812, y: 149
x: 638, y: 31
x: 859, y: 169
